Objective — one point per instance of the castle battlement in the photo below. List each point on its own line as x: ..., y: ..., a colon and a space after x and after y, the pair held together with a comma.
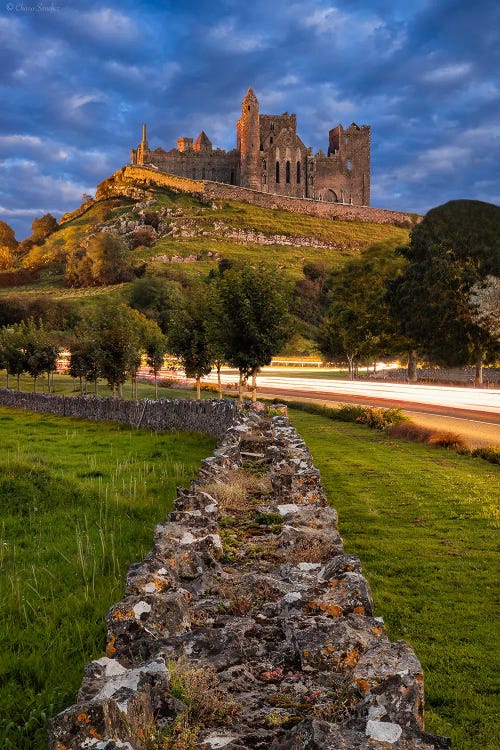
x: 271, y: 158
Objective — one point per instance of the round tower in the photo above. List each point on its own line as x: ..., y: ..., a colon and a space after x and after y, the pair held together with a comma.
x: 249, y: 141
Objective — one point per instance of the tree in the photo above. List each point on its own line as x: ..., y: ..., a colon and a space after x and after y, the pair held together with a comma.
x: 106, y: 260
x: 454, y: 248
x: 358, y: 325
x: 255, y: 317
x: 7, y: 236
x: 156, y: 348
x: 8, y: 246
x: 13, y: 345
x: 159, y: 299
x: 116, y: 331
x: 110, y: 257
x: 189, y: 337
x: 85, y: 357
x: 484, y: 303
x: 41, y: 351
x: 43, y: 227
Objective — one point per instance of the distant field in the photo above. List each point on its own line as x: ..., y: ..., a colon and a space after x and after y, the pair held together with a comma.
x: 79, y: 502
x: 425, y: 523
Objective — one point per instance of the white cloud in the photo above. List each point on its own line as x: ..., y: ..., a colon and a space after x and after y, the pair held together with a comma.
x: 105, y: 24
x: 323, y: 20
x: 231, y: 38
x: 20, y: 140
x: 447, y: 73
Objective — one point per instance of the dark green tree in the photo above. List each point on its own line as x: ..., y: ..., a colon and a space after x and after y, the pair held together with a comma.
x: 116, y: 334
x: 358, y: 326
x: 454, y: 248
x: 159, y: 299
x: 156, y: 347
x: 255, y: 319
x: 41, y: 351
x: 189, y: 336
x: 13, y: 346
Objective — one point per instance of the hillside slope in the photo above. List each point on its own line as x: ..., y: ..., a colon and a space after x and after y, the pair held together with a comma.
x: 177, y: 234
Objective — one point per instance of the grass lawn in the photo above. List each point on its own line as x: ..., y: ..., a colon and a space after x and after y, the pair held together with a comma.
x: 78, y: 504
x: 424, y: 522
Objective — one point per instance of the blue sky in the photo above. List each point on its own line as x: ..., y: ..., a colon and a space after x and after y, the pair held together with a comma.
x: 77, y: 79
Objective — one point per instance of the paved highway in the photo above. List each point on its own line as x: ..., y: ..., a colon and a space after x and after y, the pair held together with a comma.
x: 475, y: 413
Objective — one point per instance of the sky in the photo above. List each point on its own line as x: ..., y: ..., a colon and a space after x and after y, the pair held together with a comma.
x: 78, y: 78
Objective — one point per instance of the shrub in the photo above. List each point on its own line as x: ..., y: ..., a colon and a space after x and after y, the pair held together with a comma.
x: 445, y: 439
x: 381, y: 419
x: 410, y: 431
x: 490, y: 453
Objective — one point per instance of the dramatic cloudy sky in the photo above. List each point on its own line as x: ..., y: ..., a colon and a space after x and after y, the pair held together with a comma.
x: 77, y: 79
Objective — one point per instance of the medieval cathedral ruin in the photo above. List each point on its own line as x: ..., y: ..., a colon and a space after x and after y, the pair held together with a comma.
x: 271, y: 158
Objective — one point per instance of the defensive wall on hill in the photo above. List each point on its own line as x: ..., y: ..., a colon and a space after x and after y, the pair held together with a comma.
x: 131, y: 181
x: 247, y: 625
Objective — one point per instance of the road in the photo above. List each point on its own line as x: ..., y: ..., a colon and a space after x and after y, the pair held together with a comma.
x: 473, y: 413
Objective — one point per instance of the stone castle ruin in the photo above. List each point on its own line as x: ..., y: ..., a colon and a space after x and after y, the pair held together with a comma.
x: 271, y: 158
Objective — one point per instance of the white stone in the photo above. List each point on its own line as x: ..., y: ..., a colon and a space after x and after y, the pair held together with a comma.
x: 383, y: 731
x: 305, y: 566
x: 187, y: 538
x: 292, y: 597
x: 112, y: 667
x: 218, y: 740
x: 285, y: 510
x: 376, y: 712
x: 141, y: 608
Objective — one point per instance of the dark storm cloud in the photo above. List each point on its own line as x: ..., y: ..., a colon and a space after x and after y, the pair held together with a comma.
x: 77, y: 81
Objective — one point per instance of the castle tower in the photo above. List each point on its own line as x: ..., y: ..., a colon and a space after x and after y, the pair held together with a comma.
x: 141, y: 154
x: 248, y: 137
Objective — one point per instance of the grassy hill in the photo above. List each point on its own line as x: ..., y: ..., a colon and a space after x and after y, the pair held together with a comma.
x: 184, y: 226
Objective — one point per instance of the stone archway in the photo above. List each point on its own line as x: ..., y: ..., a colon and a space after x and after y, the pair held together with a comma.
x: 329, y: 195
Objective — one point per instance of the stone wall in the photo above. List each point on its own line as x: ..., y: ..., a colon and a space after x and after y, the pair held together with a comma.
x: 130, y: 180
x: 247, y: 626
x: 210, y: 416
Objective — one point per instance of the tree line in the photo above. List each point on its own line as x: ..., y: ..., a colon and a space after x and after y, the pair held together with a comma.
x: 437, y: 299
x: 239, y: 315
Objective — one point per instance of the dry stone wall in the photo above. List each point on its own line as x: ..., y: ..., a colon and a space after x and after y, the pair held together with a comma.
x: 210, y: 416
x: 247, y: 625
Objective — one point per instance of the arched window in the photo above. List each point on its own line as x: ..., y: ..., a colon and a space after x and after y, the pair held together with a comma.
x: 203, y: 173
x: 277, y: 171
x: 288, y: 172
x: 298, y: 173
x: 264, y: 180
x: 232, y: 177
x: 213, y: 174
x: 271, y: 139
x: 264, y: 164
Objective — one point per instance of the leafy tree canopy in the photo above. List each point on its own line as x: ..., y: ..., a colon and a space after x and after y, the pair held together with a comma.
x: 456, y: 246
x: 43, y: 227
x: 255, y: 315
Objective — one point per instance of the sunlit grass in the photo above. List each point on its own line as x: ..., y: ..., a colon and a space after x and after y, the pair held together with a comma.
x: 425, y: 523
x: 78, y: 504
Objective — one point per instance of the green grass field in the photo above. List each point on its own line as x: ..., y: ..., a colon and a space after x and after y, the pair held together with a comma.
x: 424, y: 522
x: 79, y: 502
